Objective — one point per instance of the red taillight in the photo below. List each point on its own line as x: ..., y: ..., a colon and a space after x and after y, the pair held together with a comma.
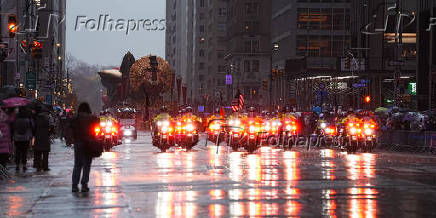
x: 97, y: 131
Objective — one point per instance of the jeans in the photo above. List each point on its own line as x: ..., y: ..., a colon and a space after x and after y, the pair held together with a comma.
x: 21, y: 153
x: 82, y: 162
x: 41, y: 159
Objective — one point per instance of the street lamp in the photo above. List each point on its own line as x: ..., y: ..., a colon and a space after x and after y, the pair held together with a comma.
x: 275, y: 48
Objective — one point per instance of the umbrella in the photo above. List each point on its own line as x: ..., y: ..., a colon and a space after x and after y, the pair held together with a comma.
x: 16, y: 102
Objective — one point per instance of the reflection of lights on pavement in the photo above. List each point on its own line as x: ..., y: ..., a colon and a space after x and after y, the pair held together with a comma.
x: 254, y: 168
x: 165, y: 161
x: 235, y: 165
x: 164, y: 206
x: 328, y: 203
x: 254, y: 208
x: 254, y: 194
x: 289, y: 155
x: 235, y: 194
x: 216, y: 210
x: 15, y: 204
x: 292, y: 208
x: 353, y: 166
x: 237, y: 209
x: 363, y: 202
x: 368, y: 164
x: 108, y: 155
x: 217, y: 194
x: 327, y: 153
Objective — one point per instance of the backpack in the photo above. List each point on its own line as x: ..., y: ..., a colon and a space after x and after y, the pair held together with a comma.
x: 22, y: 129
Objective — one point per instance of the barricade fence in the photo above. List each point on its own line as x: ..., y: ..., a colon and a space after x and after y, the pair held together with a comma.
x: 401, y: 140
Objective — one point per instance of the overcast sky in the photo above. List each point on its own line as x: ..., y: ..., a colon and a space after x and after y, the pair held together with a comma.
x: 109, y: 47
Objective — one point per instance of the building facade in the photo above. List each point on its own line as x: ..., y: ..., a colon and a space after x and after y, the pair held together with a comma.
x: 249, y: 49
x: 42, y: 75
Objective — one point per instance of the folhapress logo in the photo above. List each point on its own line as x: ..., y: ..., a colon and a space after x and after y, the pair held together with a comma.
x: 105, y: 23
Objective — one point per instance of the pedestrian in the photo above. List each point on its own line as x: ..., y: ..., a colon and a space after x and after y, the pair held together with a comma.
x: 84, y: 145
x: 42, y: 139
x: 22, y: 131
x: 5, y: 138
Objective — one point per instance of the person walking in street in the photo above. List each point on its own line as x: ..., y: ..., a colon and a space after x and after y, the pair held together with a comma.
x: 5, y: 138
x: 22, y: 131
x: 83, y: 146
x: 42, y: 139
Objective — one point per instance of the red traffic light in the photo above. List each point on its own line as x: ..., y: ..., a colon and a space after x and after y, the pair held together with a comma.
x: 12, y: 25
x: 367, y: 99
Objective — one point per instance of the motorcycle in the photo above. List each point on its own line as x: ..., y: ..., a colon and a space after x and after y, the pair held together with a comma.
x: 164, y: 136
x: 289, y: 133
x: 369, y: 136
x: 107, y: 135
x: 186, y: 135
x: 270, y: 131
x: 354, y: 136
x: 253, y: 136
x: 215, y: 131
x: 235, y: 134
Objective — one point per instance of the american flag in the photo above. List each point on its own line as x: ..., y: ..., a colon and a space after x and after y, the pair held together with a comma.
x: 238, y: 102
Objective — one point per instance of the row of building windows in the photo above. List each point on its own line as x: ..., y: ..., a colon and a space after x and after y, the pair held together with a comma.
x: 324, y: 45
x: 323, y: 18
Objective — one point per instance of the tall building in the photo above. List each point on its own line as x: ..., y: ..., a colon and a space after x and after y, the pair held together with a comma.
x: 179, y: 45
x: 249, y: 49
x: 312, y: 38
x: 41, y: 21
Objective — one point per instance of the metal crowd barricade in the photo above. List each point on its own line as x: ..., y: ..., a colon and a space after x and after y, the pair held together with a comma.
x: 412, y: 141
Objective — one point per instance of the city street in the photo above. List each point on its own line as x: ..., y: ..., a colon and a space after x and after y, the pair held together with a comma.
x: 135, y: 180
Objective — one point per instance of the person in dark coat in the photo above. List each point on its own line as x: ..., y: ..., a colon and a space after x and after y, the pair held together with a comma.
x: 22, y: 131
x: 42, y: 139
x: 82, y: 132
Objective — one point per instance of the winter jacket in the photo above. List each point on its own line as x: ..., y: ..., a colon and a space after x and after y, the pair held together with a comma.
x: 42, y: 138
x: 22, y: 129
x: 83, y: 125
x: 5, y: 139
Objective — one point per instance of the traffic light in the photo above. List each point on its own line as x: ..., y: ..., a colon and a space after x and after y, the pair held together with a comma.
x: 12, y: 25
x: 36, y: 49
x: 367, y: 99
x: 347, y: 63
x: 265, y: 84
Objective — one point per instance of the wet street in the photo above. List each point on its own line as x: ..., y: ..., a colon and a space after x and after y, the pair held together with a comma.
x: 135, y: 180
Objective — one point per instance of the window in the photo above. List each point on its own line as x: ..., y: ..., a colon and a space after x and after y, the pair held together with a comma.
x: 256, y: 65
x: 201, y: 28
x: 221, y: 27
x: 252, y: 8
x: 201, y: 66
x: 201, y: 78
x: 247, y: 66
x: 220, y: 55
x: 201, y: 53
x: 251, y: 27
x: 221, y: 68
x: 202, y: 3
x: 251, y: 46
x: 201, y: 16
x: 222, y: 11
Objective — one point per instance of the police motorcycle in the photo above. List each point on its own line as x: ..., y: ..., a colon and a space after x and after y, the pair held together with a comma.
x: 107, y: 132
x: 128, y: 127
x: 163, y: 131
x: 187, y: 129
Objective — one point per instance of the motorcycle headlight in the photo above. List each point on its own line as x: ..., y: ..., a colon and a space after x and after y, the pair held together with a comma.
x: 323, y: 125
x: 189, y: 127
x: 166, y: 123
x: 353, y: 131
x: 267, y: 128
x: 108, y: 123
x: 288, y: 127
x: 252, y: 129
x: 127, y: 132
x: 164, y: 129
x: 159, y: 123
x: 107, y: 129
x: 368, y: 131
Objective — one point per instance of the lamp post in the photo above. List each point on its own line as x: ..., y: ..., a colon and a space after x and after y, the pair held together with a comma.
x: 275, y: 48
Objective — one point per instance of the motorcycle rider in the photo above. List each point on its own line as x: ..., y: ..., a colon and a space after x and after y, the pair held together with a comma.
x: 163, y: 115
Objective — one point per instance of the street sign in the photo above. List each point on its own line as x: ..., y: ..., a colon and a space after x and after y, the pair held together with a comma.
x: 412, y: 88
x: 31, y: 80
x: 228, y: 79
x: 201, y: 109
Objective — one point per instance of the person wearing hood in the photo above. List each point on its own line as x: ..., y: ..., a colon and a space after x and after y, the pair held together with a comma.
x: 5, y: 138
x: 42, y: 139
x: 23, y: 129
x: 83, y: 146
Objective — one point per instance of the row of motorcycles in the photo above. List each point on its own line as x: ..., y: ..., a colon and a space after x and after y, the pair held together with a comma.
x: 352, y: 135
x: 167, y: 133
x: 349, y: 134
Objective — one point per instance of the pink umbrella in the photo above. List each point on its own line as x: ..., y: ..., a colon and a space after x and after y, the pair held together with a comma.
x: 16, y: 102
